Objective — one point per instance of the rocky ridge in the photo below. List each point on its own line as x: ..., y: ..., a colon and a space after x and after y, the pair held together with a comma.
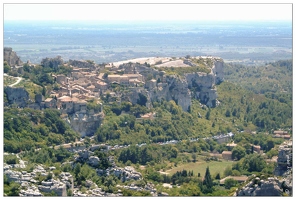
x: 198, y: 85
x: 11, y: 57
x: 181, y: 89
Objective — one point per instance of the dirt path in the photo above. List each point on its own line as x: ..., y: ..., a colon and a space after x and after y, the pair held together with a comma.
x: 17, y: 82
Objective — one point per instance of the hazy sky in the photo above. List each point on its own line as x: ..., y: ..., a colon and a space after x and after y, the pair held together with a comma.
x: 147, y: 12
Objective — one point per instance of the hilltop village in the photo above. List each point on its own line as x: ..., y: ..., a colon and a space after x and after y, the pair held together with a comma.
x: 132, y: 81
x: 107, y: 156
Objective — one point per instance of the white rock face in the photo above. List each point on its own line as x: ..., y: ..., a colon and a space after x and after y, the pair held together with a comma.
x: 259, y: 187
x: 218, y: 71
x: 85, y: 124
x: 198, y: 85
x: 52, y: 185
x: 181, y: 89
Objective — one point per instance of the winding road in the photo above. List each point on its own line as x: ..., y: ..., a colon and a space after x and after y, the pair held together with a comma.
x: 17, y: 82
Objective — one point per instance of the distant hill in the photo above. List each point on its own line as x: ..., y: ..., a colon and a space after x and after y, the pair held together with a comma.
x: 275, y: 77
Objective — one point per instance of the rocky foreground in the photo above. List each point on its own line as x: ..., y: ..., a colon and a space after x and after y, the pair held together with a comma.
x: 279, y: 185
x: 58, y: 185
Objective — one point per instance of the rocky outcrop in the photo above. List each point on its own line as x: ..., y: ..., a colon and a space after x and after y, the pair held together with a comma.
x: 202, y: 87
x: 53, y: 63
x: 180, y: 88
x: 18, y: 96
x: 11, y: 57
x: 258, y: 187
x: 49, y: 186
x: 93, y: 161
x: 198, y: 85
x: 127, y: 173
x: 29, y: 186
x: 82, y: 64
x: 85, y: 123
x: 175, y: 88
x: 218, y: 70
x: 284, y: 160
x: 273, y: 186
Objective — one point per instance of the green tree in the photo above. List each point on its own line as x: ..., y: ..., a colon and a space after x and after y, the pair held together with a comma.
x: 207, y: 185
x: 218, y: 176
x: 208, y: 114
x: 142, y: 99
x: 194, y: 157
x: 7, y: 68
x: 227, y: 113
x: 254, y: 163
x: 228, y: 171
x: 11, y: 188
x: 230, y: 182
x: 238, y: 152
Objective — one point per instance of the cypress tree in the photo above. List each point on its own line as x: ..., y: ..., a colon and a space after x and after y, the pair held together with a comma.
x: 207, y: 182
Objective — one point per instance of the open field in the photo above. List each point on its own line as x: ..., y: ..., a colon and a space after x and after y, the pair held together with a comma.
x: 200, y: 167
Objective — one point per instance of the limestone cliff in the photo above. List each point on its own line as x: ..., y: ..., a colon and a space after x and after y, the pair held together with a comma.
x: 175, y: 88
x: 18, y: 96
x: 85, y: 123
x: 11, y: 58
x: 198, y: 85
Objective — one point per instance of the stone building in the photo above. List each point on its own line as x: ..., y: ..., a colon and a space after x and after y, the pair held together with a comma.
x: 50, y: 103
x: 227, y: 155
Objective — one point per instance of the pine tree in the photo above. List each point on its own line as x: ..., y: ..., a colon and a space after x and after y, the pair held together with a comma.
x: 207, y: 182
x: 218, y: 176
x: 208, y: 114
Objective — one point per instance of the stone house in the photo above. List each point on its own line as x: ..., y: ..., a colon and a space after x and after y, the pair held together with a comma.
x: 91, y: 88
x: 230, y: 146
x: 257, y: 148
x: 240, y: 179
x: 61, y: 79
x: 151, y: 84
x: 281, y: 134
x: 79, y: 106
x: 135, y: 76
x: 50, y: 103
x: 121, y: 79
x: 227, y: 155
x: 102, y: 86
x: 65, y: 103
x: 125, y: 79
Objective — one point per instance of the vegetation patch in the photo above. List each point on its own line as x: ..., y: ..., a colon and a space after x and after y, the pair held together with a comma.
x: 200, y: 167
